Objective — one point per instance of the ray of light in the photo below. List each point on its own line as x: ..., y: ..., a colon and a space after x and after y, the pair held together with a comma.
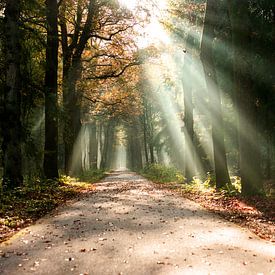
x: 80, y: 157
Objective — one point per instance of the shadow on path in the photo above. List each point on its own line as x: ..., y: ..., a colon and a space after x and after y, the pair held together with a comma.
x: 129, y: 227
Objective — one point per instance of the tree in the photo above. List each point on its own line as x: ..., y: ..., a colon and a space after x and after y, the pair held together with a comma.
x: 246, y: 103
x: 72, y: 53
x: 108, y: 146
x: 11, y: 121
x: 51, y: 109
x: 189, y: 162
x: 220, y: 163
x: 134, y: 137
x: 93, y: 145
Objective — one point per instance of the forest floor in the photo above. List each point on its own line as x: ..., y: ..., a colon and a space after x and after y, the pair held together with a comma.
x: 255, y: 213
x: 129, y: 225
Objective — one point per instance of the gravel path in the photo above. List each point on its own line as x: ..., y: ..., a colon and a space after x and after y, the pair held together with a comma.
x: 129, y: 227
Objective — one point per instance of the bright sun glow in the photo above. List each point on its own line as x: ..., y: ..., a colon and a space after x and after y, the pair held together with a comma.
x: 129, y: 4
x: 153, y: 32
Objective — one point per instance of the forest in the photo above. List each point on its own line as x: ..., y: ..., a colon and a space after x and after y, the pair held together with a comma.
x: 177, y: 88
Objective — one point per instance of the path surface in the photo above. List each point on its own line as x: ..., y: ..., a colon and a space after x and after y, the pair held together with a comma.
x: 129, y: 227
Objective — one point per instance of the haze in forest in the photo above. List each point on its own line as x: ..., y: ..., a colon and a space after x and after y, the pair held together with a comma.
x: 132, y: 84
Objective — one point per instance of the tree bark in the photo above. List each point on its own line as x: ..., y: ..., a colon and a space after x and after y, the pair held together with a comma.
x: 249, y: 153
x: 145, y: 142
x: 134, y: 147
x: 107, y: 154
x: 72, y: 116
x: 93, y: 151
x: 220, y: 163
x: 150, y: 131
x: 189, y: 162
x: 11, y: 122
x: 51, y: 105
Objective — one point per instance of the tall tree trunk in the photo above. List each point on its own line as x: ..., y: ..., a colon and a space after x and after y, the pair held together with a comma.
x: 103, y: 161
x: 100, y: 141
x: 221, y: 169
x: 72, y: 117
x: 269, y: 147
x: 93, y: 145
x: 145, y: 142
x: 134, y: 147
x: 250, y: 169
x: 11, y: 122
x: 51, y: 109
x: 137, y: 148
x: 189, y: 162
x: 107, y: 155
x: 150, y: 128
x: 130, y: 157
x: 151, y: 150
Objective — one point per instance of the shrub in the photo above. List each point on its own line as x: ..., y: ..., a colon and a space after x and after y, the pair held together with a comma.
x: 162, y: 174
x: 92, y: 175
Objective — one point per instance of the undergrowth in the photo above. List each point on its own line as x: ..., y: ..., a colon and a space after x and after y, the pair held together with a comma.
x: 162, y: 174
x: 23, y: 205
x: 207, y: 185
x: 93, y: 175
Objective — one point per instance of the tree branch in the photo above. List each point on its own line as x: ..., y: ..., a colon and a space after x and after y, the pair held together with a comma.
x: 114, y: 74
x: 109, y: 38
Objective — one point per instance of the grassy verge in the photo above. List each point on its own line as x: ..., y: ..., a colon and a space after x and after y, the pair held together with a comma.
x: 162, y: 174
x: 24, y: 205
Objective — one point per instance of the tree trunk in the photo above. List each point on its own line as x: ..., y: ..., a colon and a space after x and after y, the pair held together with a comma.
x: 150, y: 128
x: 51, y: 109
x: 72, y: 116
x: 11, y: 122
x: 189, y: 163
x: 151, y: 150
x: 220, y: 163
x: 107, y: 154
x: 249, y: 153
x: 137, y: 149
x: 93, y: 152
x: 134, y: 148
x: 269, y: 147
x: 144, y: 121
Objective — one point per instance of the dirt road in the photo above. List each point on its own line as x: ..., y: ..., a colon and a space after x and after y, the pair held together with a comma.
x: 130, y: 227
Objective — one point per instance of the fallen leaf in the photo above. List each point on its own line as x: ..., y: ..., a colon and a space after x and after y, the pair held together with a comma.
x: 69, y: 259
x: 102, y: 239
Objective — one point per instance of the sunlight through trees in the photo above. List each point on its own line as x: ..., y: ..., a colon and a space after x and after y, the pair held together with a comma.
x: 124, y: 84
